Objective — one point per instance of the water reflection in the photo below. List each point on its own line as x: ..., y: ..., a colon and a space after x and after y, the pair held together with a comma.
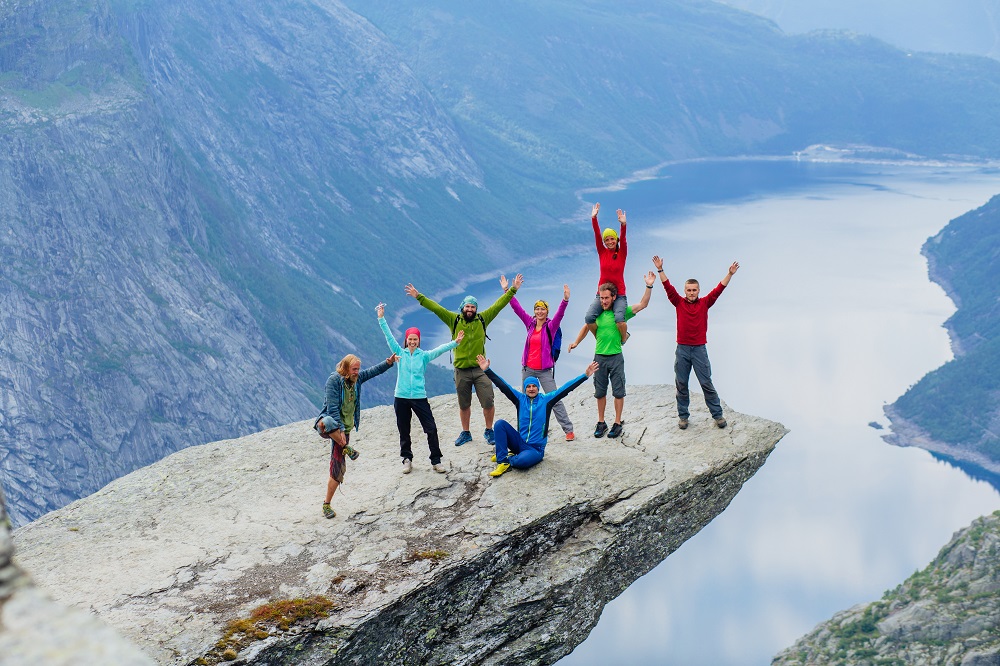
x: 830, y: 317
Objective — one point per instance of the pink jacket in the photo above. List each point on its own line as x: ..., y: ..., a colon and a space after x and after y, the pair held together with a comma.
x: 551, y: 324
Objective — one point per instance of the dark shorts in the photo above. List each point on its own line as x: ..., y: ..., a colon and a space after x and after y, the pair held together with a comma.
x: 465, y: 379
x: 337, y: 463
x: 610, y: 368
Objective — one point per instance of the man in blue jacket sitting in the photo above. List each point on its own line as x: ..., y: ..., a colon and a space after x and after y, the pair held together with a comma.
x: 524, y: 446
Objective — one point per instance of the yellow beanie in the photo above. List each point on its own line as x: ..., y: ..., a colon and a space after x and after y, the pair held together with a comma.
x: 609, y: 232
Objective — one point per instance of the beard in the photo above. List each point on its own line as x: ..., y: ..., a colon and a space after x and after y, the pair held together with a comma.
x: 469, y: 317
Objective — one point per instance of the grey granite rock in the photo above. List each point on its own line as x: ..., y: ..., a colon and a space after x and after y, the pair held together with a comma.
x: 420, y: 568
x: 34, y: 630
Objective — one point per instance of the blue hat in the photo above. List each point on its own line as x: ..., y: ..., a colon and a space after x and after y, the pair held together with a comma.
x: 470, y: 300
x: 532, y: 380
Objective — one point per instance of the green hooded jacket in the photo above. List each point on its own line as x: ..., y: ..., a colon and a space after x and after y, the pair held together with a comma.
x: 475, y: 330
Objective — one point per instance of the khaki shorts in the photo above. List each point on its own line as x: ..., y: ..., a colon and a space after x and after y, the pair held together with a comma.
x: 465, y: 379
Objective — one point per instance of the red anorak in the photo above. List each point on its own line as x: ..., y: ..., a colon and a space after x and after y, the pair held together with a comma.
x: 692, y: 318
x: 612, y: 261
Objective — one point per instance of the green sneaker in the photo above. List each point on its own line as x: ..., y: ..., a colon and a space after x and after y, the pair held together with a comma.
x: 328, y: 511
x: 501, y: 468
x: 351, y: 452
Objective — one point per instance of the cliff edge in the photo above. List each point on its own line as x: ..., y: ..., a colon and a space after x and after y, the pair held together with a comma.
x: 220, y: 552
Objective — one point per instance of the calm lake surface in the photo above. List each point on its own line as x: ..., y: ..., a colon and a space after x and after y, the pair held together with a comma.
x: 830, y: 317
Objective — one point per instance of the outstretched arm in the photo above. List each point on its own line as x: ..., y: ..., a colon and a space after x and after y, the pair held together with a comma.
x: 579, y: 339
x: 672, y: 294
x: 597, y: 228
x: 732, y: 271
x: 389, y: 339
x: 641, y: 305
x: 448, y: 346
x: 565, y: 389
x: 490, y: 313
x: 498, y: 381
x: 447, y: 316
x: 658, y: 263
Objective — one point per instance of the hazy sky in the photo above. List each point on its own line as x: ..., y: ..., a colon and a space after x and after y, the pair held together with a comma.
x: 958, y: 26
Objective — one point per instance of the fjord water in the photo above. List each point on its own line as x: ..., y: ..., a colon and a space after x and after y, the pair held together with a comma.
x: 830, y: 316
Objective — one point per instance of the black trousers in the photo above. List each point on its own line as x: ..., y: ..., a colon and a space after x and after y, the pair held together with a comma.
x: 405, y: 408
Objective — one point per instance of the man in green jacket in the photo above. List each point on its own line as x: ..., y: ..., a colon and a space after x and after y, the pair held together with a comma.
x: 467, y: 371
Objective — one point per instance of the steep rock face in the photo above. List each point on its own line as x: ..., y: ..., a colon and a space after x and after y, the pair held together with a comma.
x: 947, y: 614
x: 172, y: 181
x: 35, y: 630
x: 420, y: 568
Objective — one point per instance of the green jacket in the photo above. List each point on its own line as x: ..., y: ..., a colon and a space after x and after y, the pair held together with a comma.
x: 475, y: 330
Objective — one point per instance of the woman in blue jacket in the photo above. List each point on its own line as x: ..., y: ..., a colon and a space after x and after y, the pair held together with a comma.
x: 411, y: 396
x: 524, y: 446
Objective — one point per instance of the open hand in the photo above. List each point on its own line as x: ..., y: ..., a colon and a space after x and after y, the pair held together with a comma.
x: 597, y: 209
x: 460, y: 336
x: 621, y: 217
x: 565, y: 292
x: 504, y: 283
x: 591, y: 369
x: 649, y: 278
x: 735, y: 267
x: 411, y: 290
x: 518, y: 281
x: 484, y: 362
x: 658, y: 263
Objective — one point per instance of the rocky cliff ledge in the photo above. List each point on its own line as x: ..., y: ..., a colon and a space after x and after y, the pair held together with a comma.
x: 946, y: 614
x: 220, y: 552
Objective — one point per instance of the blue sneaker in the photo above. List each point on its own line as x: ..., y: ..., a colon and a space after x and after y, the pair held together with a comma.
x: 464, y: 438
x: 490, y: 438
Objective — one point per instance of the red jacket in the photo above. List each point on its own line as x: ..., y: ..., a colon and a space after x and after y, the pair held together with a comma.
x: 612, y: 261
x: 692, y: 318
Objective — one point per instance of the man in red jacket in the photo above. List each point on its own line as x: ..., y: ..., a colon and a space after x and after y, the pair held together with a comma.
x: 692, y: 334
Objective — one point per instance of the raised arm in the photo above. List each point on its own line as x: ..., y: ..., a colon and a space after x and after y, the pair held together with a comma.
x: 389, y: 339
x: 732, y: 271
x: 641, y: 305
x: 597, y: 228
x: 672, y: 294
x: 447, y: 316
x: 375, y: 370
x: 621, y: 234
x: 498, y: 381
x: 525, y: 318
x: 561, y: 310
x: 490, y: 313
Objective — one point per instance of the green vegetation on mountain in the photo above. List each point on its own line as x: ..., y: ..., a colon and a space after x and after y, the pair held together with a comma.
x: 959, y: 403
x: 945, y: 614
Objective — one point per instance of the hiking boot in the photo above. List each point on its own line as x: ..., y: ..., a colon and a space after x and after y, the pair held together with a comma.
x: 721, y: 422
x: 682, y: 424
x: 501, y: 468
x: 601, y: 428
x: 616, y: 430
x: 439, y: 468
x: 570, y: 436
x: 464, y: 438
x: 328, y: 511
x: 490, y: 438
x: 351, y: 452
x: 407, y: 466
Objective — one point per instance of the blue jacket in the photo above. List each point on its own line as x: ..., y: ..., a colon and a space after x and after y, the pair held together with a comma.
x: 335, y: 394
x: 533, y: 413
x: 412, y: 366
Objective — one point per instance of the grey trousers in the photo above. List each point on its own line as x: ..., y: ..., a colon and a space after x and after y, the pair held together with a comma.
x: 547, y: 378
x: 694, y: 356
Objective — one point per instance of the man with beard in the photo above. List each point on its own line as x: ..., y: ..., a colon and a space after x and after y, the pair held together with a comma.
x: 467, y: 371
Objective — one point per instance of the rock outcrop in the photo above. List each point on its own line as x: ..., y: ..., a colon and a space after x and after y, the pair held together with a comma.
x: 947, y: 614
x: 220, y: 551
x: 35, y: 630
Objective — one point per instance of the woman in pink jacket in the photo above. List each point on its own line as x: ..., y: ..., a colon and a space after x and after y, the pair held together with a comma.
x: 537, y: 361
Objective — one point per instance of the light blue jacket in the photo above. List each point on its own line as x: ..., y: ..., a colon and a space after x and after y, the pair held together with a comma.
x: 412, y: 366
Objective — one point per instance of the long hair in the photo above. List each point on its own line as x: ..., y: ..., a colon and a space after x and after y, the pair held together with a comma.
x: 344, y: 367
